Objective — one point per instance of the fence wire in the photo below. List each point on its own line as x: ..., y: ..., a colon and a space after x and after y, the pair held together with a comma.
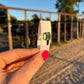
x: 19, y: 33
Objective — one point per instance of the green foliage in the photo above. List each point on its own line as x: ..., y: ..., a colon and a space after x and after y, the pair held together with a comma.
x: 47, y: 18
x: 3, y: 17
x: 67, y: 6
x: 82, y: 12
x: 1, y: 5
x: 57, y: 44
x: 60, y: 44
x: 30, y: 22
x: 14, y: 20
x: 35, y: 18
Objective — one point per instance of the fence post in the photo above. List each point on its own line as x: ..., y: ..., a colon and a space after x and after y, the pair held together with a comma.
x: 26, y: 28
x: 51, y: 29
x: 9, y: 30
x: 77, y: 27
x: 65, y: 28
x: 58, y: 29
x: 71, y: 27
x: 80, y: 28
x: 50, y: 16
x: 40, y: 16
x: 83, y: 28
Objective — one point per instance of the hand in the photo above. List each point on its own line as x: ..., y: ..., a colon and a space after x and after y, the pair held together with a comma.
x: 19, y: 65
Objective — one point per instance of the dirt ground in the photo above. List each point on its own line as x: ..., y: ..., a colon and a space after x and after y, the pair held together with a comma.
x: 65, y: 65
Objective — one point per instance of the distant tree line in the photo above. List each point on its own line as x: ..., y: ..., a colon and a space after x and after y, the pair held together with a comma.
x: 14, y: 20
x: 67, y: 6
x: 3, y: 17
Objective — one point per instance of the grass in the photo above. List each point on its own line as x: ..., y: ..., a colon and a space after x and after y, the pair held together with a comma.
x: 60, y: 44
x: 3, y: 35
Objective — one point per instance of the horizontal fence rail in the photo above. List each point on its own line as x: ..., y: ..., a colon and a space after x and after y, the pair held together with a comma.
x: 2, y: 7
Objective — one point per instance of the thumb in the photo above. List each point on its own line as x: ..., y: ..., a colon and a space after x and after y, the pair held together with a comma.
x: 26, y: 72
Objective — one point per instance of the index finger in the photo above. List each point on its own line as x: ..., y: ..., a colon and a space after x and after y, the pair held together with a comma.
x: 16, y: 54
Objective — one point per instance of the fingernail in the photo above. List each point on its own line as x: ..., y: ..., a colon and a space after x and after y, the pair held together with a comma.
x: 45, y: 55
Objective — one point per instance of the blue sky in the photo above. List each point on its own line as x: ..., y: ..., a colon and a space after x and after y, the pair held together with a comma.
x: 47, y: 5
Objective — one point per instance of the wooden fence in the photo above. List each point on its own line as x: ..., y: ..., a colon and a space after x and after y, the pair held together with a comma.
x: 58, y: 29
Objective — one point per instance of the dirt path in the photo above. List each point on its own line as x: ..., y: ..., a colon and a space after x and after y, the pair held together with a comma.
x: 65, y: 65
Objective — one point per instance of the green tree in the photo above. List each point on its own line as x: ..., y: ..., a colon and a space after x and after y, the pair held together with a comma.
x: 35, y: 18
x: 47, y: 18
x: 82, y: 12
x: 14, y: 20
x: 30, y: 22
x: 3, y: 17
x: 67, y: 6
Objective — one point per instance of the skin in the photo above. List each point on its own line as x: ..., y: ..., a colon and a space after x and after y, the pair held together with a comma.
x: 20, y: 65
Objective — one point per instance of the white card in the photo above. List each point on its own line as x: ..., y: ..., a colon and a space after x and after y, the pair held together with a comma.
x: 43, y: 31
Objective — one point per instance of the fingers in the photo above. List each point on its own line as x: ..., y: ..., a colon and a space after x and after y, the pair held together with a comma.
x: 2, y: 63
x: 15, y: 66
x: 26, y: 72
x: 14, y: 55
